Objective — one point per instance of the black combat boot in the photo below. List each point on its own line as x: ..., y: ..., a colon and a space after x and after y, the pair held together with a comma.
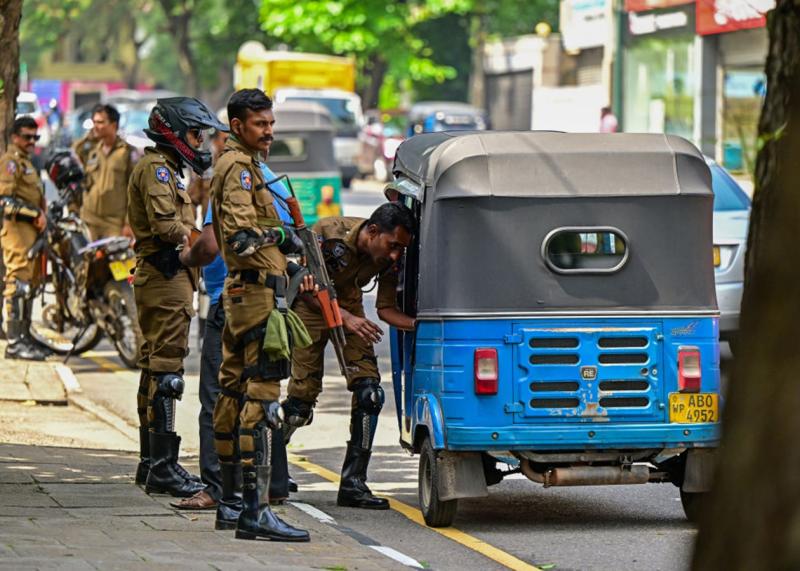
x: 19, y: 345
x: 164, y: 478
x: 230, y: 504
x: 279, y: 481
x: 144, y: 456
x: 257, y: 521
x: 353, y: 490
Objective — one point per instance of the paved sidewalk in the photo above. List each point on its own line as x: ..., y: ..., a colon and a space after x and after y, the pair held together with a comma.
x: 73, y: 508
x: 28, y: 381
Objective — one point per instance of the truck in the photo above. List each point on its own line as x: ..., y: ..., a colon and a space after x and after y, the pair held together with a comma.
x: 319, y: 78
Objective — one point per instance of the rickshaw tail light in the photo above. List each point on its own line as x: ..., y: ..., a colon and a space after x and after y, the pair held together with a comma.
x: 486, y: 371
x: 689, y: 372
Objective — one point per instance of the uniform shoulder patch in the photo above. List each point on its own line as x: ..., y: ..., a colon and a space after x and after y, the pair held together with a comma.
x: 162, y: 174
x: 11, y: 167
x: 246, y: 179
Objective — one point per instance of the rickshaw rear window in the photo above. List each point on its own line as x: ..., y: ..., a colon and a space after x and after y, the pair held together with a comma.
x: 585, y: 250
x: 288, y: 148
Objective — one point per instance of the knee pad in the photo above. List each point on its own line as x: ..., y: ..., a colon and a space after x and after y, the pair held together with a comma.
x: 23, y: 289
x: 297, y: 412
x: 169, y: 385
x: 368, y: 396
x: 273, y: 413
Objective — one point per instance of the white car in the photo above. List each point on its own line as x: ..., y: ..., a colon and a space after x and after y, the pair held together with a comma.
x: 731, y: 221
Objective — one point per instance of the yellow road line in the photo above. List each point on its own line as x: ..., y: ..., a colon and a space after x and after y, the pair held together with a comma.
x: 103, y: 362
x: 412, y: 513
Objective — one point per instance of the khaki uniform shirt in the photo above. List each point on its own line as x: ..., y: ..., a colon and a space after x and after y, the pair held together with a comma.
x: 18, y: 177
x: 159, y: 208
x: 351, y: 271
x: 240, y: 201
x: 83, y: 147
x: 106, y: 199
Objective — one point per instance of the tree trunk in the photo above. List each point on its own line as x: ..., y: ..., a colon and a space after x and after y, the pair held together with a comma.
x: 753, y: 518
x: 10, y: 16
x: 376, y: 70
x: 179, y: 17
x: 477, y: 79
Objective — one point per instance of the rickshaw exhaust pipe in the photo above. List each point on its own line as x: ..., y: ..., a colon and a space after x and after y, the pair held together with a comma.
x: 587, y: 475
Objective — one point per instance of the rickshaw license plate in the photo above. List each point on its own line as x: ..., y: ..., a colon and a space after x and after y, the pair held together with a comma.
x: 693, y: 408
x: 121, y: 269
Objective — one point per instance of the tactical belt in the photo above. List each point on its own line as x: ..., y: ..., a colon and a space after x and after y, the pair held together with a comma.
x: 167, y: 261
x: 273, y: 282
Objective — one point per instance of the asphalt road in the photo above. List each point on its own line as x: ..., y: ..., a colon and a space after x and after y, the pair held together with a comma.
x: 630, y: 527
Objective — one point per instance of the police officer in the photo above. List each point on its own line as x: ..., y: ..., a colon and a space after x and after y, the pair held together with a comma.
x: 254, y: 244
x: 23, y: 212
x: 108, y: 167
x: 84, y: 146
x: 162, y: 219
x: 356, y: 251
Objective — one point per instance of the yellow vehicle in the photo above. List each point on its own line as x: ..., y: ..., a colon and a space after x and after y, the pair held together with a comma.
x: 326, y: 80
x: 272, y: 70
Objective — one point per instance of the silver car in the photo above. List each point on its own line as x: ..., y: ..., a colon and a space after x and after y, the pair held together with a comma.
x: 731, y: 219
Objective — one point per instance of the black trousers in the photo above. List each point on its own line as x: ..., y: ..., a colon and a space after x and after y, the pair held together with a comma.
x: 210, y: 361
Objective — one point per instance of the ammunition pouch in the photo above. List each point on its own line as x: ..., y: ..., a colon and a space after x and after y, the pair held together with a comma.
x: 18, y: 210
x: 263, y: 368
x: 166, y: 261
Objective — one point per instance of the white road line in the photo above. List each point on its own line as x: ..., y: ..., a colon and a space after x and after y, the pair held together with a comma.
x: 397, y: 556
x: 317, y: 514
x: 321, y: 516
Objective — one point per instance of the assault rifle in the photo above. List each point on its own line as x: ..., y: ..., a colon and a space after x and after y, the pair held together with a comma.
x: 326, y: 295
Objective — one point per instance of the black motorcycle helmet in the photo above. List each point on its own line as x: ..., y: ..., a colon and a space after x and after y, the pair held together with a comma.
x: 64, y: 169
x: 169, y: 122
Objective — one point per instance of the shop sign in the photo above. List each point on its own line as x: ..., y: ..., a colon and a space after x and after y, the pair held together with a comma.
x: 644, y: 5
x: 584, y: 23
x: 718, y: 16
x: 641, y: 24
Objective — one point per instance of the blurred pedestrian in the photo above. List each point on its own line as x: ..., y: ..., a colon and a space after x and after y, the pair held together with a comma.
x: 108, y: 167
x: 23, y: 204
x: 162, y: 219
x: 608, y: 121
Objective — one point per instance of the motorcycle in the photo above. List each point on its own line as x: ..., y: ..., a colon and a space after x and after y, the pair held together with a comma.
x: 87, y: 293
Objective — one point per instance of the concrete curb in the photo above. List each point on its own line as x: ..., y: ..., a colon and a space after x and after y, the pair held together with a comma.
x: 76, y: 398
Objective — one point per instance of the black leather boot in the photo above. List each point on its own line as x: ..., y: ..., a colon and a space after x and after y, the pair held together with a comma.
x: 164, y: 477
x: 230, y: 504
x: 19, y: 346
x: 257, y: 521
x: 144, y: 456
x: 353, y: 490
x: 169, y: 387
x: 279, y: 481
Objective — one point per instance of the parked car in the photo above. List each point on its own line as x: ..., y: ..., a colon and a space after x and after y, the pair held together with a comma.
x: 731, y: 220
x: 28, y: 104
x: 437, y: 116
x: 378, y: 142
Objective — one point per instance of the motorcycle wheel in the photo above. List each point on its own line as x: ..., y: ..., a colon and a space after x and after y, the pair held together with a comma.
x: 60, y: 342
x: 128, y: 338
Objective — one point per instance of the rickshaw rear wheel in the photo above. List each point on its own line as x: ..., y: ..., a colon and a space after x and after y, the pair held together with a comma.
x: 693, y: 504
x: 437, y: 513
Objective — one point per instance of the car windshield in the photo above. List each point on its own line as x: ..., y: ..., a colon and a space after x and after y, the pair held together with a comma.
x: 26, y: 107
x: 134, y: 120
x: 728, y: 195
x: 342, y: 111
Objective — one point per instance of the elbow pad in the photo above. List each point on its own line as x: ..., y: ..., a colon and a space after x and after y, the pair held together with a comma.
x: 246, y: 242
x: 19, y: 210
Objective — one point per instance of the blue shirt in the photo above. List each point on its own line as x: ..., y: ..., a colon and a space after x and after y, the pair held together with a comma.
x: 214, y: 274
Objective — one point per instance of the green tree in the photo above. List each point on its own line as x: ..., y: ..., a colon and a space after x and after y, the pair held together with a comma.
x: 377, y: 33
x: 753, y: 520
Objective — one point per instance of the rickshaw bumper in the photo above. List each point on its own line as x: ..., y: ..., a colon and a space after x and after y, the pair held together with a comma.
x: 583, y: 436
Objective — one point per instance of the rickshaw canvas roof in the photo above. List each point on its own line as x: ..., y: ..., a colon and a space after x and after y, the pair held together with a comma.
x: 550, y: 164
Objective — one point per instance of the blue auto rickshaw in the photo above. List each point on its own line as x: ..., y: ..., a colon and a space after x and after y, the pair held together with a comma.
x: 567, y: 323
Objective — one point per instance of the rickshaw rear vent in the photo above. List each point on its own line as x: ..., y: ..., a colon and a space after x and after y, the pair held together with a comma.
x: 569, y: 386
x: 619, y: 342
x: 626, y: 402
x: 554, y: 403
x: 555, y: 359
x: 555, y: 343
x: 624, y: 385
x: 623, y: 358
